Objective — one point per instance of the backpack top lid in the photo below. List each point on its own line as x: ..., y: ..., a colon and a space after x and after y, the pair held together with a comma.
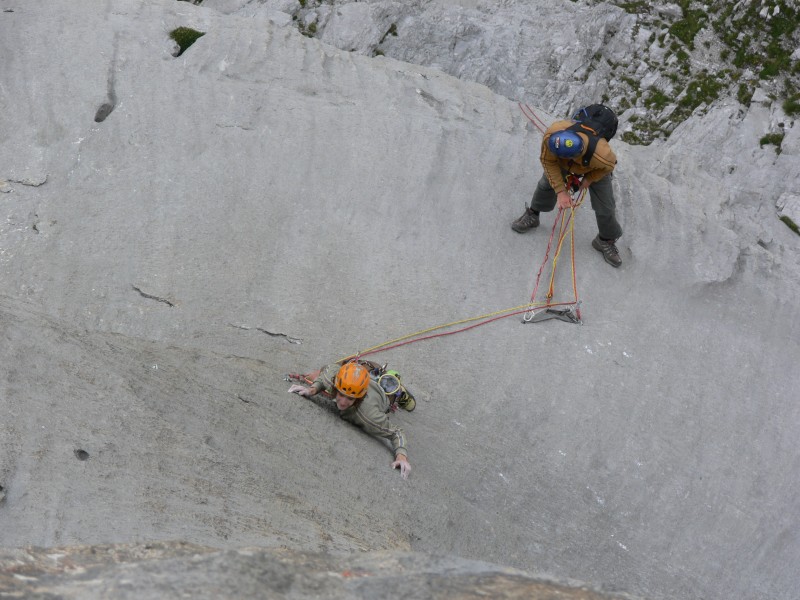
x: 594, y: 121
x: 599, y: 118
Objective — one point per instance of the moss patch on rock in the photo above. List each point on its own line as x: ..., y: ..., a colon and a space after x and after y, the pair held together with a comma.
x: 185, y: 37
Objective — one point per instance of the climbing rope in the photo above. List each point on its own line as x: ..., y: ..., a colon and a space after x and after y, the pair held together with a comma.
x: 564, y: 222
x: 415, y: 337
x: 532, y: 117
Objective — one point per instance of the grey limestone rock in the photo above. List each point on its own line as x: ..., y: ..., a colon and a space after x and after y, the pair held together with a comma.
x: 158, y: 268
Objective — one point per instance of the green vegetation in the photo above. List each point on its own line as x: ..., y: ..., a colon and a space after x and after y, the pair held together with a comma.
x: 768, y: 50
x: 790, y: 224
x: 656, y: 100
x: 704, y: 89
x: 308, y: 31
x: 685, y: 29
x: 745, y: 94
x: 391, y: 31
x: 791, y: 106
x: 774, y: 139
x: 776, y: 62
x: 755, y: 40
x: 185, y: 37
x: 750, y: 43
x: 634, y: 7
x: 633, y: 138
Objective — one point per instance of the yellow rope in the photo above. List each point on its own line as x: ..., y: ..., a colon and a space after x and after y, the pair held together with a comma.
x: 551, y: 289
x: 446, y: 325
x: 529, y: 305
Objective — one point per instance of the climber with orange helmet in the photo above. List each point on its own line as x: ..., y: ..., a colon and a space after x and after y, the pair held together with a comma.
x: 362, y: 402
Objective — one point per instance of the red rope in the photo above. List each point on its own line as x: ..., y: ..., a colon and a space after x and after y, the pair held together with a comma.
x: 562, y: 234
x: 546, y: 255
x: 541, y: 126
x: 462, y: 329
x: 564, y: 222
x: 532, y: 117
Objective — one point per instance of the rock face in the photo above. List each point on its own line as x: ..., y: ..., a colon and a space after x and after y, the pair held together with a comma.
x: 168, y: 570
x: 180, y: 232
x: 502, y: 45
x: 656, y: 63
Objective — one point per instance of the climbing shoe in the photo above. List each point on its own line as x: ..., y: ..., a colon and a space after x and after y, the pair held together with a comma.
x: 528, y: 220
x: 407, y: 402
x: 609, y: 250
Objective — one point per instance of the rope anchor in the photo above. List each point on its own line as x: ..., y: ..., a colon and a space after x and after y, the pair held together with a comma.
x: 563, y: 227
x: 571, y: 314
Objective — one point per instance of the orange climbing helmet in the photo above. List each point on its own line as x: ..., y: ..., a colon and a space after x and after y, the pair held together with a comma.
x: 352, y: 380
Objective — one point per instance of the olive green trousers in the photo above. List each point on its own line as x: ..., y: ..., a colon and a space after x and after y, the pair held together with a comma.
x: 601, y: 194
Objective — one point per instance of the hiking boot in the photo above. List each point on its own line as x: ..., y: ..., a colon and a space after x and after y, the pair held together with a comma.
x: 609, y: 250
x: 527, y: 221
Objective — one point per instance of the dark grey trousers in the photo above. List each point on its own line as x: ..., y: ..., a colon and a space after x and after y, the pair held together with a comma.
x: 601, y: 194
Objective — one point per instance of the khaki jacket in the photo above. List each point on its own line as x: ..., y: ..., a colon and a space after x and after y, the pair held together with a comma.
x: 371, y: 414
x: 602, y: 163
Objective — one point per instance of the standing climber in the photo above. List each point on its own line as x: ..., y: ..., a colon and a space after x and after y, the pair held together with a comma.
x: 362, y: 402
x: 579, y: 147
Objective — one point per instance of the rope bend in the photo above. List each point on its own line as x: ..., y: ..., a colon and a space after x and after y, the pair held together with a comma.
x: 565, y: 221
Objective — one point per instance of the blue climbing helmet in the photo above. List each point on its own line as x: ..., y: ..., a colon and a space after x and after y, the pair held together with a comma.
x: 565, y: 144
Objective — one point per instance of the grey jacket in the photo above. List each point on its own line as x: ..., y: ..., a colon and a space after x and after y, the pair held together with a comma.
x: 370, y: 414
